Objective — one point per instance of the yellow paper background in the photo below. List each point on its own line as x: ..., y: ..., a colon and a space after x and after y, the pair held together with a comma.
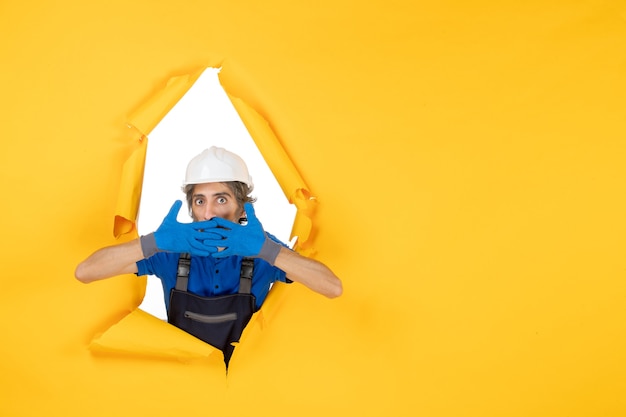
x: 467, y: 164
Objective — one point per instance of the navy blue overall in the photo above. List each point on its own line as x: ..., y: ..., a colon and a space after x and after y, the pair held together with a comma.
x: 220, y: 320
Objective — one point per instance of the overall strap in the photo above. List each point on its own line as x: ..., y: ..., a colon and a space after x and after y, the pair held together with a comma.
x: 182, y: 273
x: 245, y: 276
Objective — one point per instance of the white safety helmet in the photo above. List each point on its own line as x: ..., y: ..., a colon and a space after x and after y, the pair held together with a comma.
x: 217, y: 165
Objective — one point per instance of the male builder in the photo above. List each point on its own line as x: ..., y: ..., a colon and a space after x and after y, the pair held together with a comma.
x: 217, y: 270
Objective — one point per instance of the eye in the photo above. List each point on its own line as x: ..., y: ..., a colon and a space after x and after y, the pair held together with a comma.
x: 222, y: 200
x: 198, y: 201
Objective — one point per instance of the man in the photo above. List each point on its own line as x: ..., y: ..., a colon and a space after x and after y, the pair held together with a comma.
x: 210, y: 295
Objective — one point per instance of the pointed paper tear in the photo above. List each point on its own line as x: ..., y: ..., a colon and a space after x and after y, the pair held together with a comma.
x: 290, y: 180
x: 140, y: 333
x: 143, y: 120
x: 129, y: 194
x: 150, y: 113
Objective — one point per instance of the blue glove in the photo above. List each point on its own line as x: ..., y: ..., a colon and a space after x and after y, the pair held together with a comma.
x: 173, y: 236
x: 249, y: 240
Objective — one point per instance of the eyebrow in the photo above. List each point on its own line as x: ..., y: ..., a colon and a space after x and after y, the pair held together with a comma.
x: 219, y: 194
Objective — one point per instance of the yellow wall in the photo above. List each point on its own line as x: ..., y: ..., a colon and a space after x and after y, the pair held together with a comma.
x: 468, y: 164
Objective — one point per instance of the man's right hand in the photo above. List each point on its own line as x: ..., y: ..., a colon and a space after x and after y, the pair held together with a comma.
x: 173, y: 236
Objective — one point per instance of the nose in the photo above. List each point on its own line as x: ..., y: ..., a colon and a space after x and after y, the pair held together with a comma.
x: 208, y: 212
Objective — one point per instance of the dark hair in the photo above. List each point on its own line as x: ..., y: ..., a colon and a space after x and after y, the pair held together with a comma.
x: 240, y: 190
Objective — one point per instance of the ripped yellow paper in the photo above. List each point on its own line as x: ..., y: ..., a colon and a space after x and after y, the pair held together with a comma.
x: 137, y: 334
x: 141, y: 334
x: 143, y: 120
x: 284, y: 170
x: 129, y: 194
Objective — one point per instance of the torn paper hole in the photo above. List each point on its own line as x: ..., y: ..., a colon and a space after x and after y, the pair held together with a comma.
x: 180, y: 141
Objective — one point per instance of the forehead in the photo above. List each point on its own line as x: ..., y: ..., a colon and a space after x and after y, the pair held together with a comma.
x: 211, y: 188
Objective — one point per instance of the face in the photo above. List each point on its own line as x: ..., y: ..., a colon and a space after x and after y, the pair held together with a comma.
x: 214, y: 199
